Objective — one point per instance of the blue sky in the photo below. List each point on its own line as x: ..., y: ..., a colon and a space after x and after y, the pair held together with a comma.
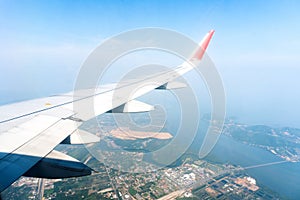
x: 256, y: 47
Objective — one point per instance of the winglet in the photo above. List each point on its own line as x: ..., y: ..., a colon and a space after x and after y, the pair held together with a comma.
x: 203, y: 45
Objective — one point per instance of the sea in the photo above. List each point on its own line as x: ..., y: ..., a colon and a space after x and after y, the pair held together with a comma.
x: 268, y: 169
x: 283, y: 178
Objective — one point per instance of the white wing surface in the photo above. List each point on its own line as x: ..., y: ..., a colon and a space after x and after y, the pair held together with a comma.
x: 30, y: 130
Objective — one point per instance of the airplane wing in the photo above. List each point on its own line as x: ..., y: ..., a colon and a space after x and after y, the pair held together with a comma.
x: 30, y: 130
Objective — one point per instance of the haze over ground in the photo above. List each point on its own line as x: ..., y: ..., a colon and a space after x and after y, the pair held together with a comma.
x: 256, y: 47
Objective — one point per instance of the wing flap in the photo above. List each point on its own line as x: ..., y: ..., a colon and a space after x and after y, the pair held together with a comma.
x: 19, y: 135
x: 172, y: 85
x: 81, y: 137
x: 14, y: 164
x: 132, y: 106
x: 58, y: 165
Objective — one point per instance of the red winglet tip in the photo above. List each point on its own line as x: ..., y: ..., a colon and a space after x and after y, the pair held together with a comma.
x: 203, y: 45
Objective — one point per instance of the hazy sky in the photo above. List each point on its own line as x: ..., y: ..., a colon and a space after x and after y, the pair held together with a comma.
x: 256, y: 47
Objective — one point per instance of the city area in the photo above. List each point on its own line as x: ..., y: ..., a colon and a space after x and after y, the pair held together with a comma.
x: 189, y: 178
x: 193, y: 179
